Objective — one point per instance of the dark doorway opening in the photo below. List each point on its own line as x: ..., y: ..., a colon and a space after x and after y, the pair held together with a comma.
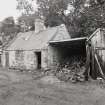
x: 38, y: 54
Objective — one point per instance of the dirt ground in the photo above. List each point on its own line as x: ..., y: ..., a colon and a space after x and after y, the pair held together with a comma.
x: 22, y: 89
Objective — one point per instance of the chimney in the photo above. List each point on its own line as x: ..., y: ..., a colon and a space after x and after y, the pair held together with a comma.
x: 39, y: 25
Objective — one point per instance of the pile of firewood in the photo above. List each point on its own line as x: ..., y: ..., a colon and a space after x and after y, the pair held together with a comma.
x: 71, y: 69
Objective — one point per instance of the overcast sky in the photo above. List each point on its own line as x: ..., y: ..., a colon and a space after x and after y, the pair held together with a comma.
x: 8, y: 8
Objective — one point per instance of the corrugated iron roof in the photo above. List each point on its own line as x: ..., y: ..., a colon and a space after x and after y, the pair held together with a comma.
x: 68, y: 40
x: 74, y: 43
x: 37, y: 41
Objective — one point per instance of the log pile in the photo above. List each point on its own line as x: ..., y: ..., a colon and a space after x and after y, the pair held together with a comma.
x: 71, y: 69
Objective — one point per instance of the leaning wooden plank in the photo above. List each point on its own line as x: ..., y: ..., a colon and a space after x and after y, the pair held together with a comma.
x: 92, y: 55
x: 100, y: 69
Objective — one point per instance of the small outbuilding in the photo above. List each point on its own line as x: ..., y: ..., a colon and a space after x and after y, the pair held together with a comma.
x: 31, y: 50
x: 42, y: 48
x: 96, y: 50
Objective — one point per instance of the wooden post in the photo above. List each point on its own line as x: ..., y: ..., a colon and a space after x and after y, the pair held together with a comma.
x: 86, y: 73
x: 93, y: 55
x: 93, y: 71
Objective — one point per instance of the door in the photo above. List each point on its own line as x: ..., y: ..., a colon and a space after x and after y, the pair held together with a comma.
x: 38, y: 55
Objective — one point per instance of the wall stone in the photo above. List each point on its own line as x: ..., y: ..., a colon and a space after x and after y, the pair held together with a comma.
x: 12, y: 60
x: 30, y: 60
x: 50, y: 57
x: 44, y: 58
x: 21, y: 60
x: 53, y: 56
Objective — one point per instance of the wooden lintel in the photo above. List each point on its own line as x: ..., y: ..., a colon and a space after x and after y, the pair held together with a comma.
x: 100, y: 48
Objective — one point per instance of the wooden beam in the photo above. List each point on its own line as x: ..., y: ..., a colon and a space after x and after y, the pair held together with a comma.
x: 68, y: 40
x: 99, y: 48
x: 93, y: 34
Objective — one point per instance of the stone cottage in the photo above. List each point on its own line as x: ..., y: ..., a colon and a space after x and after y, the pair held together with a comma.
x: 32, y: 50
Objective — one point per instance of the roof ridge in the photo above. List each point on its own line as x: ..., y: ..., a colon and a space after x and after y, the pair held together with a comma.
x: 35, y: 40
x: 59, y: 28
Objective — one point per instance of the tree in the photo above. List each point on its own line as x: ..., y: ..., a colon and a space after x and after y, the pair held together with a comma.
x: 8, y: 29
x: 82, y: 19
x: 25, y: 6
x: 26, y: 22
x: 52, y: 11
x: 46, y: 9
x: 93, y: 14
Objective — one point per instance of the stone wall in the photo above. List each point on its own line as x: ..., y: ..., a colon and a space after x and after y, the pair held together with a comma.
x: 50, y: 57
x: 54, y: 56
x: 30, y: 60
x: 20, y: 60
x: 44, y: 58
x: 3, y: 59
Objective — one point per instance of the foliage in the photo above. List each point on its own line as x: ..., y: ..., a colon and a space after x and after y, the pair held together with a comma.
x: 8, y: 29
x: 25, y: 6
x: 93, y: 16
x: 26, y: 22
x: 82, y: 18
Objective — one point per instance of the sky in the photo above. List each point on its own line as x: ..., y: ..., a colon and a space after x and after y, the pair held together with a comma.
x: 8, y: 8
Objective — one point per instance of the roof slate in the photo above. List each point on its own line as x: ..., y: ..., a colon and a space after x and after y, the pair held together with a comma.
x: 37, y: 41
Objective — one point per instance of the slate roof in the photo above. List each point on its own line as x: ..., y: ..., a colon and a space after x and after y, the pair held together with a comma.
x: 37, y: 41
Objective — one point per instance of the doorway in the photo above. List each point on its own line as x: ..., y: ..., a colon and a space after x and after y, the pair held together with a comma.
x: 38, y: 55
